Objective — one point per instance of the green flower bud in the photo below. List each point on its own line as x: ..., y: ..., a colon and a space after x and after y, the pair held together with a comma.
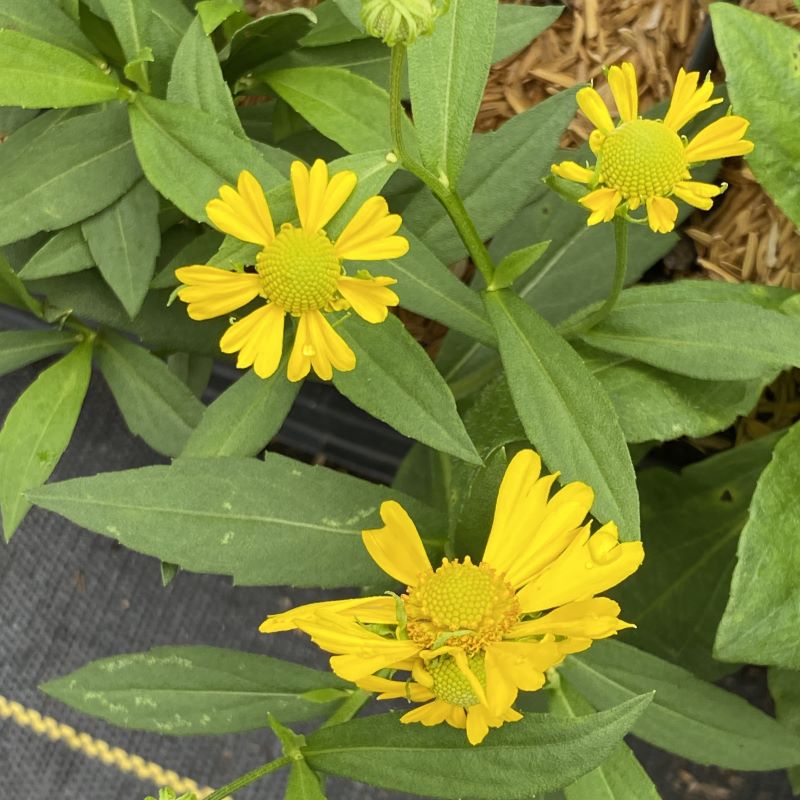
x: 400, y: 21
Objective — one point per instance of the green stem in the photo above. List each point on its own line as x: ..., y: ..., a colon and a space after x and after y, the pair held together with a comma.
x: 620, y: 271
x: 443, y: 192
x: 249, y: 778
x: 348, y: 709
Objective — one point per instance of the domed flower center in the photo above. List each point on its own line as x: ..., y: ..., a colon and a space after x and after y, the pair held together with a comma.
x: 451, y: 685
x: 642, y: 159
x: 299, y: 270
x: 472, y: 600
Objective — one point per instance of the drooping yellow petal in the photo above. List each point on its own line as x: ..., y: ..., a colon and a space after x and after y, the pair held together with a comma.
x: 477, y: 724
x: 457, y: 717
x: 622, y: 81
x: 698, y: 194
x: 369, y: 234
x: 596, y: 140
x: 595, y: 109
x: 211, y: 292
x: 317, y: 345
x: 369, y: 297
x: 602, y: 203
x: 596, y: 618
x: 391, y: 690
x: 317, y: 197
x: 526, y: 662
x: 243, y: 213
x: 258, y: 338
x: 720, y: 139
x: 397, y: 548
x: 687, y: 100
x: 363, y: 609
x: 572, y: 171
x: 589, y: 566
x: 432, y: 713
x: 661, y: 214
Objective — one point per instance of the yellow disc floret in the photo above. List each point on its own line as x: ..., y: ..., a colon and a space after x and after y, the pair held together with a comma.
x: 452, y: 685
x: 466, y: 598
x: 643, y: 158
x: 299, y: 270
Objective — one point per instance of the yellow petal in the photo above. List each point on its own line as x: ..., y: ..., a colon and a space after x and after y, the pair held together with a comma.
x: 602, y: 203
x: 258, y: 338
x: 697, y: 194
x: 243, y: 213
x: 390, y: 690
x: 596, y: 618
x: 622, y: 81
x: 430, y: 714
x: 397, y: 548
x: 369, y: 297
x: 211, y: 292
x: 572, y: 171
x: 526, y: 662
x: 595, y: 109
x: 589, y: 566
x: 363, y: 609
x: 720, y: 139
x: 457, y: 717
x: 369, y: 234
x: 596, y: 139
x: 661, y: 214
x: 317, y: 197
x: 477, y: 724
x: 317, y: 345
x: 687, y: 100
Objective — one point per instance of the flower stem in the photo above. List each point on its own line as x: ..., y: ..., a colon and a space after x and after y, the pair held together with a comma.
x: 348, y: 709
x: 441, y: 189
x: 249, y: 778
x: 588, y: 322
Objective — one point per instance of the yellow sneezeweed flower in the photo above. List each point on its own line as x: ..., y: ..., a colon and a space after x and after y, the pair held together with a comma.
x: 472, y: 635
x: 298, y: 272
x: 646, y: 161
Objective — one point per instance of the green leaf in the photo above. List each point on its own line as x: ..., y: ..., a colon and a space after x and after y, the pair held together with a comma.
x: 346, y: 108
x: 784, y: 686
x: 263, y: 39
x: 20, y: 348
x: 168, y: 573
x: 45, y: 21
x: 244, y: 418
x: 500, y: 177
x: 702, y: 338
x: 692, y: 523
x: 763, y: 74
x: 124, y: 241
x: 332, y: 27
x: 304, y: 783
x: 654, y: 405
x: 155, y: 403
x: 131, y: 22
x: 537, y: 754
x: 688, y: 717
x: 516, y: 264
x: 62, y: 254
x: 37, y: 430
x: 187, y: 155
x: 197, y: 79
x: 168, y: 23
x: 192, y: 369
x: 35, y: 74
x: 760, y: 621
x: 77, y: 168
x: 241, y: 517
x: 447, y: 73
x: 564, y: 410
x: 395, y: 381
x: 423, y: 474
x: 13, y: 291
x: 179, y: 691
x: 212, y: 13
x: 620, y: 776
x: 198, y: 250
x: 518, y: 26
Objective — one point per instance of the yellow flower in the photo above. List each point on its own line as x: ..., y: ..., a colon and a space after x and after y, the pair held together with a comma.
x: 472, y: 635
x: 645, y: 161
x: 298, y: 272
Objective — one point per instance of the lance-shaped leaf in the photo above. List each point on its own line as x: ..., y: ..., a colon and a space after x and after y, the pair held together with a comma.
x: 249, y: 519
x: 394, y: 380
x: 77, y: 168
x: 13, y: 291
x: 62, y: 254
x: 155, y: 403
x: 540, y: 753
x: 35, y: 74
x: 689, y: 717
x: 124, y: 240
x: 187, y: 155
x: 180, y: 691
x: 760, y: 621
x: 564, y: 410
x: 37, y: 430
x: 18, y: 348
x: 131, y: 22
x: 784, y: 686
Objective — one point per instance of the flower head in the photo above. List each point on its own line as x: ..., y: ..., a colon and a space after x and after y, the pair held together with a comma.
x: 646, y: 161
x: 298, y: 272
x: 400, y: 22
x: 470, y: 636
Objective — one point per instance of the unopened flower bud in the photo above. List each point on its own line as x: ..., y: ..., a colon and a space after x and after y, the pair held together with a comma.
x: 400, y: 22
